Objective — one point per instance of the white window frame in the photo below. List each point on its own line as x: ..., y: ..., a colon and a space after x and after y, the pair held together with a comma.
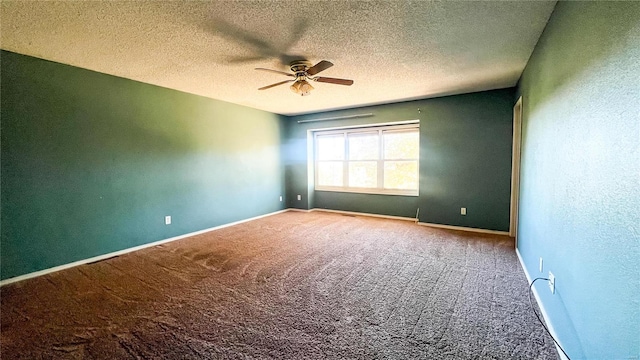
x: 414, y: 126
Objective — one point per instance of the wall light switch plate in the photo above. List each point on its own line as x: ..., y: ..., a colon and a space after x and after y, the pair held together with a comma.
x: 463, y: 211
x: 299, y: 197
x: 552, y: 283
x: 541, y: 264
x: 280, y: 198
x: 167, y: 220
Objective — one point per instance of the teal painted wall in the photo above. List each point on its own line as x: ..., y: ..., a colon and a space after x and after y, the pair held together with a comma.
x: 465, y: 160
x: 581, y: 175
x: 91, y: 163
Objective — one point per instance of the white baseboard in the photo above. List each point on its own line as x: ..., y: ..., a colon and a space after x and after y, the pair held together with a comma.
x: 543, y: 312
x: 143, y: 246
x: 462, y: 228
x: 449, y: 227
x: 364, y: 214
x: 298, y: 210
x: 128, y: 250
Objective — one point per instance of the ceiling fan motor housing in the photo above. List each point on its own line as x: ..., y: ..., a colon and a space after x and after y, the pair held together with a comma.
x: 298, y: 67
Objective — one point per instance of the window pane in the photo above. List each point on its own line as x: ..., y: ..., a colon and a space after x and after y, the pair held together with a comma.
x: 330, y: 147
x: 363, y: 174
x: 363, y: 146
x: 401, y: 175
x: 401, y: 145
x: 330, y: 173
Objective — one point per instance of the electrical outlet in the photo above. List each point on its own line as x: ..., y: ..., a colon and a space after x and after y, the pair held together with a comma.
x: 541, y: 264
x: 552, y: 283
x: 463, y: 211
x: 299, y: 197
x: 281, y: 198
x: 167, y: 220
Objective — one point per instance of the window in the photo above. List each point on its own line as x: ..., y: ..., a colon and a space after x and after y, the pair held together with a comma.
x: 376, y: 160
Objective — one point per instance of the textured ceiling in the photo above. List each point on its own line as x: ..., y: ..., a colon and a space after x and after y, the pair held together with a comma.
x: 392, y: 50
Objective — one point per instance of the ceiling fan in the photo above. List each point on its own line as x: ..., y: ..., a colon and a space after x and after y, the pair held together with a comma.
x: 302, y: 74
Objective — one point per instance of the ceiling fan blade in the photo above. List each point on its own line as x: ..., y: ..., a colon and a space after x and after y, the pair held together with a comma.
x: 334, y: 81
x: 321, y: 66
x: 276, y: 71
x: 276, y: 84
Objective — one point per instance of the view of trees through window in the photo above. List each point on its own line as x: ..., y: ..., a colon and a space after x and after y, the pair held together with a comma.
x: 373, y: 160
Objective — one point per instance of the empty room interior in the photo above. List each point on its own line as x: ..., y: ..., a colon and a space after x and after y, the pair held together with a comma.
x: 320, y: 180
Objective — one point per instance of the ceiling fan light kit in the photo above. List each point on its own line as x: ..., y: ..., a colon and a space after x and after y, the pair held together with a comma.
x: 303, y: 74
x: 301, y: 87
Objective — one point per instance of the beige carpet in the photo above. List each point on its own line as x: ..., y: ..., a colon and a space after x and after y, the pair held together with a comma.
x: 289, y: 286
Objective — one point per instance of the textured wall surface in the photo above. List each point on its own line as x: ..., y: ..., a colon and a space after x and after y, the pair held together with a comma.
x: 92, y: 163
x: 581, y: 175
x: 465, y: 160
